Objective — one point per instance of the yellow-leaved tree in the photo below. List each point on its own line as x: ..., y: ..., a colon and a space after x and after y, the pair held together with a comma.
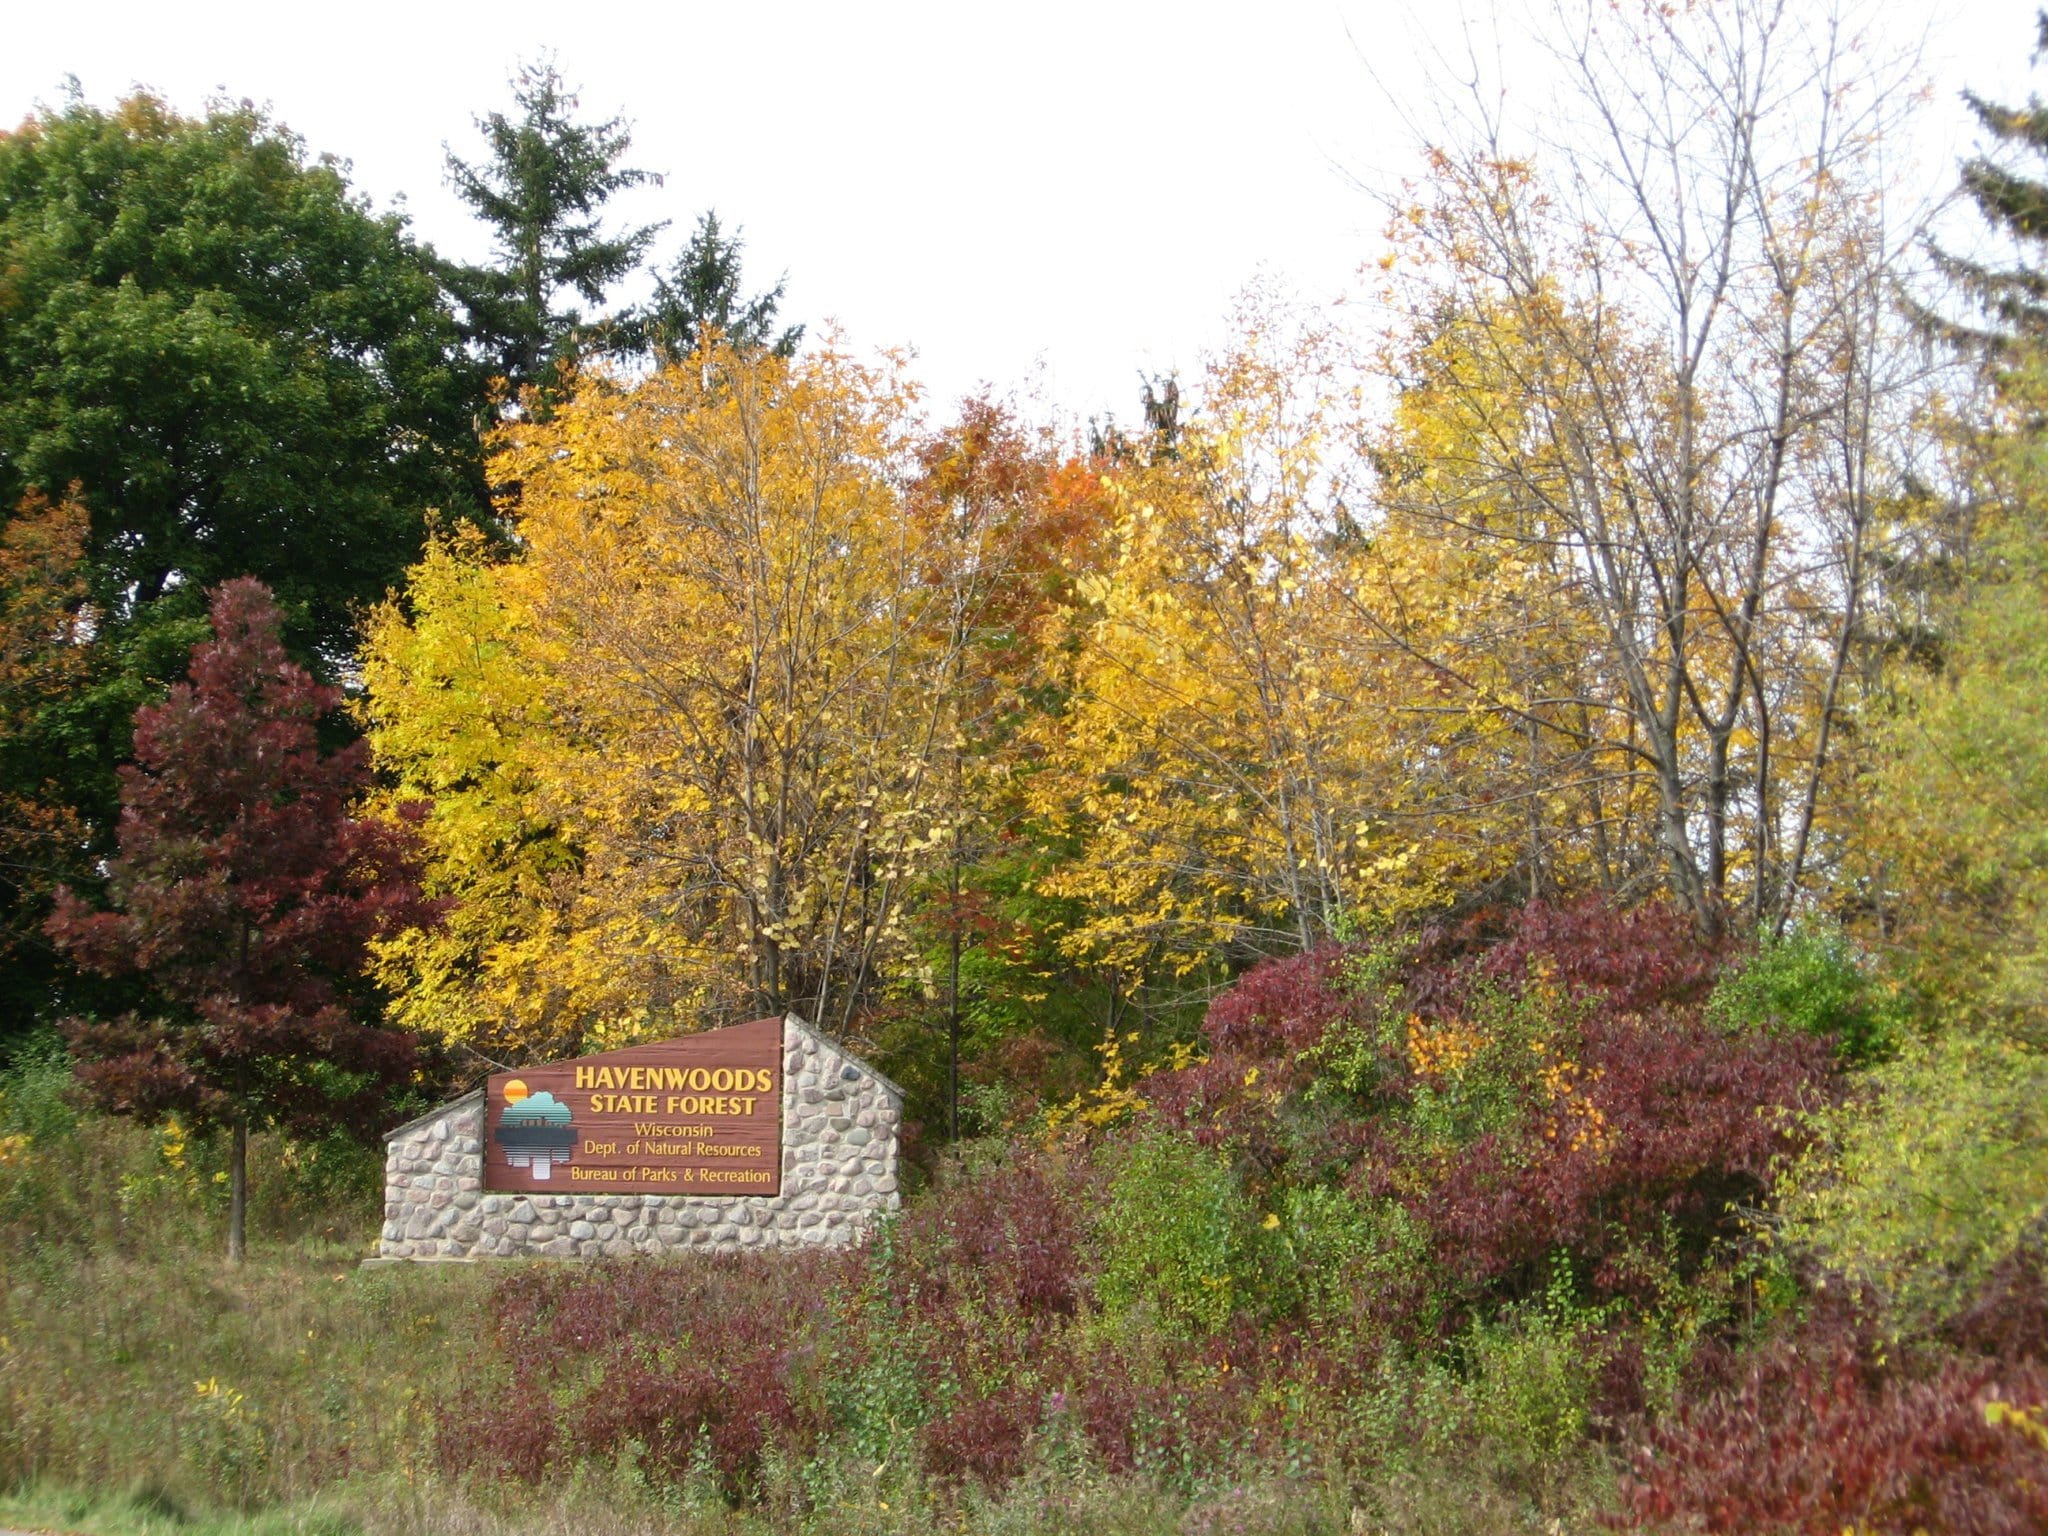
x: 457, y: 718
x: 1533, y: 756
x: 1244, y: 763
x: 692, y: 723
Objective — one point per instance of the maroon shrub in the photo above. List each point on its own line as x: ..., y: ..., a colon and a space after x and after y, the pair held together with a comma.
x: 1192, y: 1417
x: 1280, y: 1008
x: 1169, y: 1407
x: 984, y: 1435
x: 1260, y: 1039
x: 1007, y: 1239
x: 502, y: 1431
x: 1815, y: 1440
x: 719, y: 1352
x: 1639, y: 961
x: 1670, y: 1128
x: 2007, y: 1318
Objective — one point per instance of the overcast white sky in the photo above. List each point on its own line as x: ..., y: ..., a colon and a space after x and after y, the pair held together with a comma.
x: 1048, y: 197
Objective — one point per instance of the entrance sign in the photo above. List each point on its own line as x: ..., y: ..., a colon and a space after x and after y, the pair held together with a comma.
x: 701, y: 1115
x: 762, y: 1136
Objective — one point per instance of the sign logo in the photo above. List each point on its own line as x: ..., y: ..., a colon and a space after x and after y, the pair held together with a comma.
x: 697, y: 1115
x: 535, y: 1130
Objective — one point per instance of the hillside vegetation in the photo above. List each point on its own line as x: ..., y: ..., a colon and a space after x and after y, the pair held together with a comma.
x: 1460, y: 904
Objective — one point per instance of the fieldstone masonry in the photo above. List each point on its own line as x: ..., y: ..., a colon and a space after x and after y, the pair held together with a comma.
x: 840, y: 1122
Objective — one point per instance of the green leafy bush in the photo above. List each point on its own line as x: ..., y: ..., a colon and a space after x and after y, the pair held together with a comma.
x: 1174, y: 1234
x: 1337, y: 1243
x: 1532, y: 1383
x: 1916, y: 1195
x: 1810, y: 982
x: 38, y: 1136
x: 35, y: 1099
x: 1534, y: 1372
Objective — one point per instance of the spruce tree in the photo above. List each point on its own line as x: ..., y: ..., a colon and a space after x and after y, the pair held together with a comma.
x: 700, y: 292
x: 2014, y: 299
x: 542, y: 188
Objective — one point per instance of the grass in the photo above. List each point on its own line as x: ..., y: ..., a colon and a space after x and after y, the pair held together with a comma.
x: 148, y: 1511
x: 130, y: 1354
x: 132, y: 1357
x: 595, y: 1508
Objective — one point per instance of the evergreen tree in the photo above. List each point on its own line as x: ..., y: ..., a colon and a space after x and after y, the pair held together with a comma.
x: 542, y: 189
x: 2014, y: 204
x: 701, y: 292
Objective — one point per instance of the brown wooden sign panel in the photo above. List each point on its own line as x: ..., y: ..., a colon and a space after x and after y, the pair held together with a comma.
x: 698, y: 1115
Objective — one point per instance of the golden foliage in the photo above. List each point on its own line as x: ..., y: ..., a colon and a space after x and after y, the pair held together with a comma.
x: 1268, y: 737
x: 682, y: 741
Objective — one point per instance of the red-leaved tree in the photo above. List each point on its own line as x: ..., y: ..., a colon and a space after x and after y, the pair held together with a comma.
x: 246, y: 893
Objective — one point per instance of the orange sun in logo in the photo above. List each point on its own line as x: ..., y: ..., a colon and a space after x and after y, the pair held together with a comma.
x: 515, y: 1091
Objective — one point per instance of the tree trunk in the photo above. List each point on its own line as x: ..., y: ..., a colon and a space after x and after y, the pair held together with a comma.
x: 238, y: 1192
x: 953, y: 1009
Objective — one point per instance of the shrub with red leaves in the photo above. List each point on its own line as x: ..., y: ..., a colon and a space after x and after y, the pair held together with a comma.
x: 984, y: 1436
x: 1644, y: 960
x: 2007, y: 1319
x: 1281, y: 1008
x: 1589, y: 1107
x: 716, y: 1353
x: 1190, y: 1407
x: 1689, y: 1126
x: 1816, y: 1439
x: 1261, y: 1037
x: 1007, y: 1239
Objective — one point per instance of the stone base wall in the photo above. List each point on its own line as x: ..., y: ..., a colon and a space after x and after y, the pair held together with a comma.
x: 840, y: 1126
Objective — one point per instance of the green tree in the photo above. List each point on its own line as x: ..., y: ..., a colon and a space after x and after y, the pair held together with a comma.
x: 700, y: 292
x: 239, y: 367
x: 2015, y: 299
x: 542, y: 188
x: 1937, y: 1173
x: 1960, y: 859
x: 1962, y: 850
